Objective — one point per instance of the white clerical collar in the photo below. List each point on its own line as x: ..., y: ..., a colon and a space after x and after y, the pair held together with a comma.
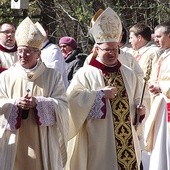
x: 9, y: 48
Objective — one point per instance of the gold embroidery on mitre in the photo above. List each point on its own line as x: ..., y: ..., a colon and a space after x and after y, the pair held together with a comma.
x: 34, y: 34
x: 30, y: 34
x: 97, y: 14
x: 106, y: 26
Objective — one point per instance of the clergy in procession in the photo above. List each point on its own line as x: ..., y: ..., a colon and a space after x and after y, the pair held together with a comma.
x: 103, y: 99
x: 145, y: 51
x: 8, y: 48
x: 33, y: 108
x: 157, y: 133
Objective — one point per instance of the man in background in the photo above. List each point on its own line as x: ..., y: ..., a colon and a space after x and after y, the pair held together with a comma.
x: 8, y: 46
x: 144, y: 50
x: 158, y: 123
x: 51, y: 55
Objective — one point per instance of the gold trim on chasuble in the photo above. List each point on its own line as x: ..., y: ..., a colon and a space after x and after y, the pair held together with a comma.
x: 126, y: 157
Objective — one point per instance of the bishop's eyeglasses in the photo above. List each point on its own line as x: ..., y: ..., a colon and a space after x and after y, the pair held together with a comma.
x: 26, y: 52
x: 7, y: 32
x: 113, y: 50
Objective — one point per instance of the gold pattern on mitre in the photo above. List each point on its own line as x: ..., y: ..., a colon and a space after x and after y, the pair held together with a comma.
x: 97, y: 14
x: 29, y: 34
x: 106, y: 26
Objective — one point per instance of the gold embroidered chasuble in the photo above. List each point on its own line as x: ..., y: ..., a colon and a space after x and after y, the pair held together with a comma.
x: 93, y: 142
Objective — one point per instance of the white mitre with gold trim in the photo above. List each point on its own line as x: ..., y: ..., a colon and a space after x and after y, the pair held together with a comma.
x: 106, y: 26
x: 30, y: 34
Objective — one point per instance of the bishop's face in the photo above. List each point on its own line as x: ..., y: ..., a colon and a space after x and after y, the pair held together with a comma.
x: 108, y: 53
x: 28, y: 56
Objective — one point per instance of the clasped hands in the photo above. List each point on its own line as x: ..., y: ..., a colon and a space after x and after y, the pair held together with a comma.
x: 26, y: 102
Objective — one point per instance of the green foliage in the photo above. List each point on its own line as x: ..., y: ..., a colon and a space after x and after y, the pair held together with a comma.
x: 5, y: 11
